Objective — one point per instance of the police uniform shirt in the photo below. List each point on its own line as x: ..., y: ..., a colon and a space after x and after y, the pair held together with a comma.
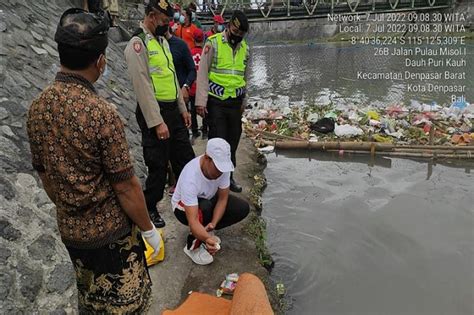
x: 136, y: 56
x: 202, y: 81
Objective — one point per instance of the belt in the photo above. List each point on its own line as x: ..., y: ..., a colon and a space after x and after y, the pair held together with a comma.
x: 168, y: 105
x: 227, y: 102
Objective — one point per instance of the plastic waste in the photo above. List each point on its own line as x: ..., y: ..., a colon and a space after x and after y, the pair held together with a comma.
x: 286, y: 111
x: 280, y: 288
x: 352, y: 116
x: 374, y: 123
x: 347, y: 131
x: 459, y: 104
x: 228, y: 285
x: 312, y: 118
x: 382, y: 139
x: 325, y: 125
x: 373, y: 115
x: 267, y: 149
x: 396, y: 134
x: 464, y: 138
x: 388, y: 125
x: 332, y: 115
x: 262, y: 124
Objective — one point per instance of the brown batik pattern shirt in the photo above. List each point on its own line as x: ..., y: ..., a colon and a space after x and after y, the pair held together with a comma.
x: 78, y: 140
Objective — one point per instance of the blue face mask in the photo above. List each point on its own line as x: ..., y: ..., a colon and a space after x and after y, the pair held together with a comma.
x: 181, y: 19
x: 176, y: 16
x: 220, y: 28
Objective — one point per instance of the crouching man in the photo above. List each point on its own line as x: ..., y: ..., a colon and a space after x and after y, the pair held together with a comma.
x: 202, y: 201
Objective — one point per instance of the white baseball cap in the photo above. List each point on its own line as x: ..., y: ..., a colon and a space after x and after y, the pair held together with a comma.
x: 219, y: 151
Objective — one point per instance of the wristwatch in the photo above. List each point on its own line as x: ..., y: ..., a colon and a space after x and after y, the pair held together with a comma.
x: 186, y: 86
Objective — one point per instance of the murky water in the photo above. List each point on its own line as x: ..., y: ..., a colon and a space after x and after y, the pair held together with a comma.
x: 324, y: 73
x: 354, y: 236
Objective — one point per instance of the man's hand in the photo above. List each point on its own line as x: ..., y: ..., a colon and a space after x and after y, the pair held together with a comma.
x: 201, y: 111
x: 212, y: 245
x: 187, y: 119
x: 210, y: 227
x: 184, y: 92
x: 154, y: 239
x: 162, y: 131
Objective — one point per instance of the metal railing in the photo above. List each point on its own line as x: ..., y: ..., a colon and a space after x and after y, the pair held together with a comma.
x: 271, y: 8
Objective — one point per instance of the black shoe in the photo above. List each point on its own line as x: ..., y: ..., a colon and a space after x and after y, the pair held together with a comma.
x: 234, y: 186
x: 157, y: 220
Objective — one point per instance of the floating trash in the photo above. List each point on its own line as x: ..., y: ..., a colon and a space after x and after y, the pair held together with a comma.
x: 280, y: 288
x: 415, y: 124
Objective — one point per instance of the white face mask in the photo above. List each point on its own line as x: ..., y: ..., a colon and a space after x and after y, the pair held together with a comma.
x: 106, y: 74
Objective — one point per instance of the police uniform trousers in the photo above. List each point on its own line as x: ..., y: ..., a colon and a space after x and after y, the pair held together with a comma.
x: 225, y: 121
x: 157, y: 153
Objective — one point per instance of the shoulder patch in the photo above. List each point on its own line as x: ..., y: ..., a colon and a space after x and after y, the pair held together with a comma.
x: 137, y: 46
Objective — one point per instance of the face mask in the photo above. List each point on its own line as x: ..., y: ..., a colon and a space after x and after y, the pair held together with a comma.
x: 234, y: 39
x: 106, y: 74
x: 220, y: 28
x: 160, y: 30
x: 103, y: 74
x: 176, y: 16
x: 193, y: 16
x: 181, y: 19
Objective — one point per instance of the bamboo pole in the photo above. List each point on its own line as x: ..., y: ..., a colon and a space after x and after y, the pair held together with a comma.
x: 413, y: 154
x: 374, y: 148
x: 366, y: 146
x: 324, y: 146
x: 441, y: 149
x: 272, y: 135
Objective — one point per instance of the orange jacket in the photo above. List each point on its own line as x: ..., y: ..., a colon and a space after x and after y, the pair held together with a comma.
x: 186, y: 34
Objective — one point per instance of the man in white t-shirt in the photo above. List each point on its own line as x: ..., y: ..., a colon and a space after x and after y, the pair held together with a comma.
x: 202, y: 201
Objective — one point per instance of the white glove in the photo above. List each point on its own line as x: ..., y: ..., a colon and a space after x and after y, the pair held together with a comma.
x: 153, y: 238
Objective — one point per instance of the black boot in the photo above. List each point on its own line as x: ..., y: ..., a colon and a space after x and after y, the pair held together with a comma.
x: 157, y: 219
x: 233, y: 185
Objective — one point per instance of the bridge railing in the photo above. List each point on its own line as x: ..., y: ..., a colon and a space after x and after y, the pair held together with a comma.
x: 256, y: 9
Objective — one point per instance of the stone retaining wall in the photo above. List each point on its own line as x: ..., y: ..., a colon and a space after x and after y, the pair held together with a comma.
x: 35, y: 271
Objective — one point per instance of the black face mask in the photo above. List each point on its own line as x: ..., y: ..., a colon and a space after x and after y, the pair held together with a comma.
x: 160, y: 30
x: 234, y: 39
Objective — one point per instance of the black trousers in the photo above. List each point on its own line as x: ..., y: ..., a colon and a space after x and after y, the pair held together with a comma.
x: 236, y: 210
x: 224, y: 119
x: 157, y: 153
x: 194, y: 123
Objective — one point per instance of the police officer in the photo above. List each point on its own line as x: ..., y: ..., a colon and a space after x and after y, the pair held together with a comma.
x: 161, y: 112
x: 222, y: 82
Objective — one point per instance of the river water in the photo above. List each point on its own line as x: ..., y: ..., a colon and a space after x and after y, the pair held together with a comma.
x: 354, y: 236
